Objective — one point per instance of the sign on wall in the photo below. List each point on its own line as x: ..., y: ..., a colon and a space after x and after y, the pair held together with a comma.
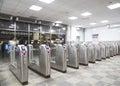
x: 78, y: 39
x: 95, y: 37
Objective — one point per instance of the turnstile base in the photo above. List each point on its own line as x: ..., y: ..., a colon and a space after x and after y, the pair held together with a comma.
x: 23, y: 83
x: 104, y: 58
x: 73, y: 67
x: 59, y: 70
x: 39, y: 73
x: 91, y: 62
x: 108, y: 57
x: 98, y: 60
x: 83, y: 64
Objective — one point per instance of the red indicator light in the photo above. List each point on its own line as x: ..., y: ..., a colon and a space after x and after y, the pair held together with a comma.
x: 23, y: 53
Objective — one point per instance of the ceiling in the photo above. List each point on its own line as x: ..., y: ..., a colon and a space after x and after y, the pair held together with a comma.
x: 62, y: 9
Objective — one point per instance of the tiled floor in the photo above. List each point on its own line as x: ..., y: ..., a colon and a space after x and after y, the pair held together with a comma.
x: 102, y: 73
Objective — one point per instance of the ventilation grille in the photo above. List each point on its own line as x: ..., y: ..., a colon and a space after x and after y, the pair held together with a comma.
x: 26, y: 20
x: 5, y: 16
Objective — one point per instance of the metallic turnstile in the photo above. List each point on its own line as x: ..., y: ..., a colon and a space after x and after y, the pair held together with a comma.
x: 97, y: 52
x: 19, y: 65
x: 115, y: 49
x: 91, y: 53
x: 111, y: 48
x: 0, y: 51
x: 72, y: 56
x: 58, y: 58
x: 39, y: 60
x: 119, y: 48
x: 82, y: 54
x: 107, y: 48
x: 102, y: 51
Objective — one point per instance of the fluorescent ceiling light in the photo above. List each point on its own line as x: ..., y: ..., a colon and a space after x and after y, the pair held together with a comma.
x: 58, y: 21
x: 86, y: 14
x: 94, y: 29
x: 104, y: 21
x: 35, y: 8
x: 78, y: 26
x: 64, y: 28
x: 51, y: 31
x: 47, y: 1
x: 114, y: 29
x: 116, y: 25
x: 93, y: 23
x: 57, y: 25
x: 35, y: 29
x: 73, y: 18
x: 114, y: 6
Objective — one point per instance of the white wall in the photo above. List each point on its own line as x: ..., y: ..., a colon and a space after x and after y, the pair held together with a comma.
x: 105, y: 34
x: 72, y: 33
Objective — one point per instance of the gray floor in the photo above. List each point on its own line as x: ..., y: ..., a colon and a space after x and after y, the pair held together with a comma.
x: 103, y: 73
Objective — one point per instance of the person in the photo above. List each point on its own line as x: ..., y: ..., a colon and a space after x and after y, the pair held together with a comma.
x: 47, y: 42
x: 13, y: 42
x: 2, y: 49
x: 21, y: 41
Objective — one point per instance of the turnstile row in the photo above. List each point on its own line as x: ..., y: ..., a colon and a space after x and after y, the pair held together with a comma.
x: 58, y: 57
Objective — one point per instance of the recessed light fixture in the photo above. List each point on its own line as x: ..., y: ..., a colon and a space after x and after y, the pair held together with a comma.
x: 116, y: 25
x: 57, y: 25
x: 94, y: 29
x: 78, y: 26
x: 104, y: 21
x: 73, y: 18
x: 51, y: 31
x: 35, y: 8
x: 114, y: 6
x: 35, y: 29
x: 93, y: 23
x: 85, y: 14
x: 58, y: 21
x: 47, y: 1
x: 64, y: 28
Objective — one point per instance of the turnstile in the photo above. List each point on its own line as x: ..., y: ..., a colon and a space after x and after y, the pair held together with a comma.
x: 115, y: 49
x: 119, y: 48
x: 58, y: 58
x: 91, y: 53
x: 39, y: 60
x: 82, y: 54
x: 97, y: 52
x: 111, y: 48
x: 19, y: 63
x: 0, y: 51
x: 72, y: 56
x: 102, y: 51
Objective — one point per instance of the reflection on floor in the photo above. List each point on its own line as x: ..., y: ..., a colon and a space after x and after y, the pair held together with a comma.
x: 103, y: 73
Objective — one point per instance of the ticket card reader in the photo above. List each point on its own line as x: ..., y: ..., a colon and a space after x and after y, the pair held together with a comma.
x: 19, y: 63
